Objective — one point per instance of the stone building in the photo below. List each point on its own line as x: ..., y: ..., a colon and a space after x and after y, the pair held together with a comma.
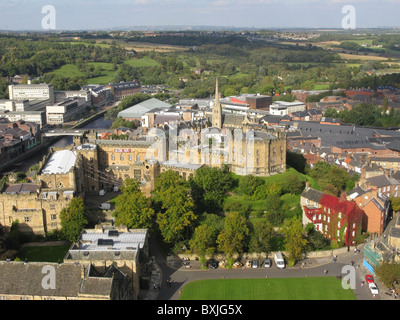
x: 104, y: 247
x: 61, y: 281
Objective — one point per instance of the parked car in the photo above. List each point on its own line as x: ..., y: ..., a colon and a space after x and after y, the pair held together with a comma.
x: 237, y: 265
x: 279, y: 260
x: 105, y: 206
x: 369, y: 279
x: 267, y: 263
x: 373, y: 288
x: 213, y: 264
x: 254, y: 264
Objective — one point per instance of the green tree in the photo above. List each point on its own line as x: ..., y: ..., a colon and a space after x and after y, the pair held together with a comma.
x: 132, y: 208
x: 209, y: 188
x: 202, y: 241
x: 261, y: 236
x: 174, y: 207
x: 295, y: 241
x: 389, y: 274
x: 74, y: 219
x: 275, y: 214
x: 233, y: 238
x: 395, y: 202
x: 249, y: 184
x: 293, y: 185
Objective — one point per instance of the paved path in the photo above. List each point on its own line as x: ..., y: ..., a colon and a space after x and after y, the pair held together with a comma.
x: 314, y: 267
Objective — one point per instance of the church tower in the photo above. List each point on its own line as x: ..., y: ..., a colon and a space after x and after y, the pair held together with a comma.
x: 217, y: 109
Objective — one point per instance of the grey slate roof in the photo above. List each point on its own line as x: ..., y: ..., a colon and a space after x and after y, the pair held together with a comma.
x: 312, y: 194
x: 140, y: 109
x: 26, y: 279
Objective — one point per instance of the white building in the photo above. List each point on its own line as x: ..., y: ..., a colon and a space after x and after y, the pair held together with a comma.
x: 65, y: 111
x: 31, y: 92
x: 283, y: 108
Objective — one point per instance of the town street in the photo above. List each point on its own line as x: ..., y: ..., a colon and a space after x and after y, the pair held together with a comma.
x: 315, y: 267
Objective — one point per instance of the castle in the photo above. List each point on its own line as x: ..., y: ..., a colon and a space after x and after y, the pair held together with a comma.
x: 92, y: 164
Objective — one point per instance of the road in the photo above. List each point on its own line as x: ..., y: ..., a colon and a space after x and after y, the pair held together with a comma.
x: 179, y: 277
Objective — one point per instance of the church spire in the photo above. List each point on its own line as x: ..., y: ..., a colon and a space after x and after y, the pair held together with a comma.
x: 217, y: 109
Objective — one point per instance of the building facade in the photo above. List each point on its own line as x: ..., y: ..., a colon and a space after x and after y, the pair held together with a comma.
x: 336, y: 218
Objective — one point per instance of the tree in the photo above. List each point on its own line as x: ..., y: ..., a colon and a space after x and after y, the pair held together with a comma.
x: 395, y: 202
x: 295, y: 242
x: 233, y: 237
x: 275, y: 214
x: 174, y: 207
x: 74, y: 219
x: 249, y: 184
x: 132, y: 208
x: 261, y: 236
x: 293, y: 185
x: 209, y: 187
x: 389, y: 274
x: 202, y: 241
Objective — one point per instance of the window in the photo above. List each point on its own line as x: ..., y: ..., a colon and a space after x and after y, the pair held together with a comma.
x: 53, y: 207
x: 329, y: 219
x: 338, y: 233
x: 121, y: 157
x: 130, y: 157
x: 340, y: 215
x: 27, y: 219
x: 354, y: 225
x: 53, y: 217
x: 112, y: 157
x: 339, y: 224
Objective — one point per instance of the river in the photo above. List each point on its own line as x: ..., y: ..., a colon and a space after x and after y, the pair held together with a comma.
x: 100, y: 123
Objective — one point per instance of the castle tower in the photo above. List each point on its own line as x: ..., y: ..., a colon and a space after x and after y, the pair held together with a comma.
x: 217, y: 109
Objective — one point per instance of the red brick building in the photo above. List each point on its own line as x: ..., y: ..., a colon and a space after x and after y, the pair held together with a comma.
x: 336, y: 218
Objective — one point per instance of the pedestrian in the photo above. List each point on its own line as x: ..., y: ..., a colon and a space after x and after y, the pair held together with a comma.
x: 167, y: 283
x: 155, y: 287
x: 325, y: 272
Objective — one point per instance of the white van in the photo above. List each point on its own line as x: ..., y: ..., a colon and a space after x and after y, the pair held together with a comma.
x: 105, y: 206
x: 279, y: 261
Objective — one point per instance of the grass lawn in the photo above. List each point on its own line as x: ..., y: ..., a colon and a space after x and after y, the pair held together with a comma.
x: 320, y: 288
x: 68, y: 71
x: 290, y: 202
x: 44, y: 254
x: 143, y: 62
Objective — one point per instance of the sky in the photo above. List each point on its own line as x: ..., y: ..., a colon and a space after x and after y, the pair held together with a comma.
x: 263, y: 14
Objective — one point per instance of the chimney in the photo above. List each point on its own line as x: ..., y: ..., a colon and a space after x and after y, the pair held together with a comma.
x: 343, y: 196
x: 307, y: 184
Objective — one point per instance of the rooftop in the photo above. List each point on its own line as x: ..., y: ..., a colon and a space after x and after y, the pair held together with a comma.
x: 60, y: 162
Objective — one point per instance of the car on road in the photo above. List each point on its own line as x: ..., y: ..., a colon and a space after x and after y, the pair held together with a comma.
x: 373, y: 288
x: 369, y: 279
x: 213, y: 264
x: 267, y: 263
x: 254, y: 264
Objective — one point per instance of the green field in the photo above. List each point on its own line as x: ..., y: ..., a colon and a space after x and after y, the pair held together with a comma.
x: 143, y: 62
x: 68, y: 71
x: 320, y: 288
x: 43, y: 253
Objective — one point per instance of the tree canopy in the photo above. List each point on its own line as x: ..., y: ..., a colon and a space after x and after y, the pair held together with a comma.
x: 74, y: 219
x: 132, y: 208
